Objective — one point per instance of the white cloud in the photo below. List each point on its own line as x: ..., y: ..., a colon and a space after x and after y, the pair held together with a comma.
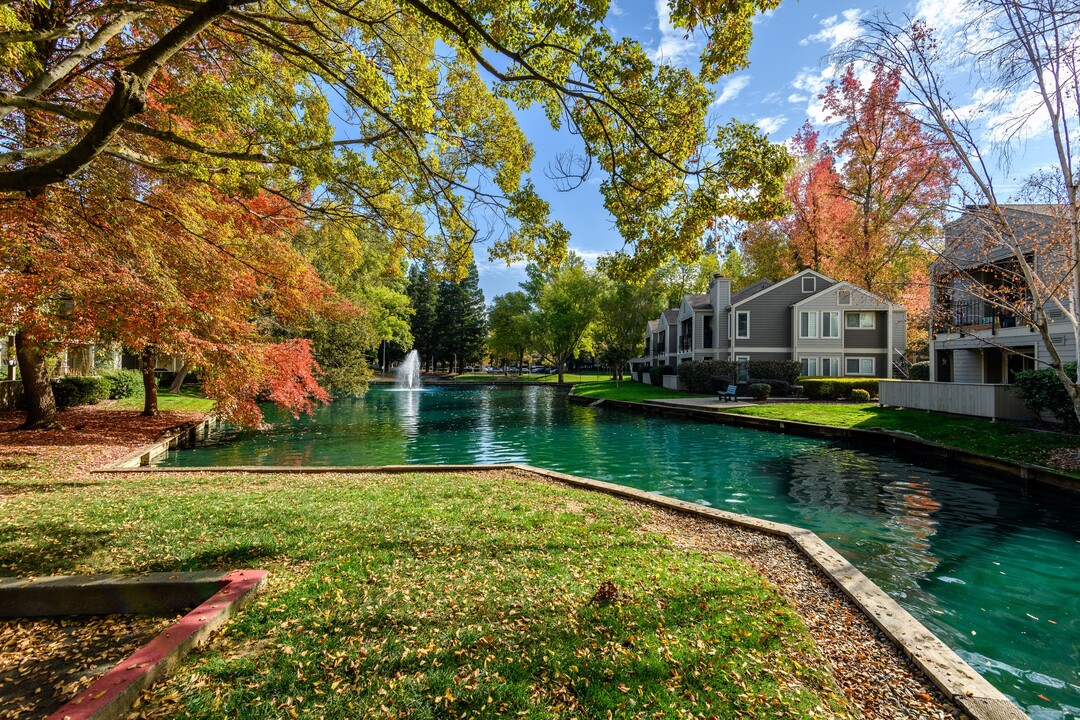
x: 812, y: 83
x: 797, y: 98
x: 837, y: 29
x: 615, y: 9
x: 771, y: 124
x: 674, y: 48
x: 731, y: 89
x: 589, y: 256
x: 763, y: 17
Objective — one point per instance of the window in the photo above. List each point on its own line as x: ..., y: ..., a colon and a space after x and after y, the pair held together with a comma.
x: 809, y: 366
x: 860, y: 320
x: 860, y: 366
x: 830, y: 366
x: 809, y: 284
x: 743, y: 370
x: 843, y: 296
x: 808, y: 324
x: 830, y: 324
x: 742, y: 324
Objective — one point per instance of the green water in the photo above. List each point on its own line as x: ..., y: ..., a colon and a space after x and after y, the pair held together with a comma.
x: 991, y: 567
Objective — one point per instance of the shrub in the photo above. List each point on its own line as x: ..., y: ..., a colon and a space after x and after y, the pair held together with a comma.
x: 858, y: 395
x: 720, y: 382
x: 786, y: 370
x: 80, y: 390
x: 697, y: 375
x: 779, y: 388
x: 834, y: 388
x: 919, y: 371
x: 1043, y: 392
x: 124, y: 383
x: 656, y: 374
x: 759, y: 391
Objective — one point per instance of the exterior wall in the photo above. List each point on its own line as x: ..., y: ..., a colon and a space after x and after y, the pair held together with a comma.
x: 720, y: 298
x: 771, y: 323
x: 875, y: 338
x: 899, y: 333
x: 967, y: 366
x: 989, y: 401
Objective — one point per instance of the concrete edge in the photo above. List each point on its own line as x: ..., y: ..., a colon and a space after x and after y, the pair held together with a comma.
x: 111, y: 696
x: 63, y: 595
x: 184, y: 437
x: 896, y: 441
x: 975, y: 695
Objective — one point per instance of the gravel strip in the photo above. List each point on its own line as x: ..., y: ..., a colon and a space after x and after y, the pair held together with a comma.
x: 46, y: 662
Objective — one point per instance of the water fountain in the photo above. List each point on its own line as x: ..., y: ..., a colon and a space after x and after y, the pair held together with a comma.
x: 407, y: 376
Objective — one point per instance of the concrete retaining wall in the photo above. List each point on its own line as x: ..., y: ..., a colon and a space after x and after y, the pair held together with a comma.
x: 1001, y: 402
x: 11, y: 392
x: 672, y: 382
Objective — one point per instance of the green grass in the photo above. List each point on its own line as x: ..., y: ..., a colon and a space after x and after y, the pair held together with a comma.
x: 435, y: 597
x: 630, y: 390
x: 530, y: 377
x: 998, y: 439
x: 184, y: 400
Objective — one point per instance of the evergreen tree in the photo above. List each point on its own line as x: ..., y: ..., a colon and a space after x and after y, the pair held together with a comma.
x: 423, y: 292
x: 460, y: 320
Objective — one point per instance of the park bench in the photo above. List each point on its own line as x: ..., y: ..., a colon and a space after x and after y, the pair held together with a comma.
x: 728, y: 394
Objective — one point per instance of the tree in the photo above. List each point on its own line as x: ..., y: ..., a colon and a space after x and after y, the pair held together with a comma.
x: 819, y: 214
x: 460, y: 319
x: 566, y: 305
x: 422, y: 290
x: 510, y: 322
x: 766, y: 253
x: 623, y: 310
x: 675, y: 278
x: 896, y: 176
x: 1029, y: 52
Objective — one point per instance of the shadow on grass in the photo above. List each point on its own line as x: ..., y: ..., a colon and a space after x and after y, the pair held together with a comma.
x: 70, y: 544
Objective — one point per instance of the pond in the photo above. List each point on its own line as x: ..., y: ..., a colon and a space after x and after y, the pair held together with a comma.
x: 990, y: 565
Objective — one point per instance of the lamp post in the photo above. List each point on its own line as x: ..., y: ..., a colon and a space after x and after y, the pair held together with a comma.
x: 384, y: 358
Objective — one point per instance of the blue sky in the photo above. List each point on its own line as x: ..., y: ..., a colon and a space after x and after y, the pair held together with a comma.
x: 789, y: 68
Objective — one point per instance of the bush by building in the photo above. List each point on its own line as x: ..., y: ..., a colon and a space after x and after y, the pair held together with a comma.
x: 835, y: 388
x: 919, y: 371
x: 1043, y: 392
x: 759, y: 391
x: 656, y: 374
x: 80, y: 390
x: 123, y: 383
x: 858, y: 395
x: 702, y: 376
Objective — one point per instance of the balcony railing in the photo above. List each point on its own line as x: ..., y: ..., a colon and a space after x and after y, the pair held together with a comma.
x: 686, y: 343
x: 975, y: 315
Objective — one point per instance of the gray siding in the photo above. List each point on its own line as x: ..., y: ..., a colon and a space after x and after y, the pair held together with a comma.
x: 967, y: 366
x: 770, y: 313
x: 899, y: 338
x: 876, y: 338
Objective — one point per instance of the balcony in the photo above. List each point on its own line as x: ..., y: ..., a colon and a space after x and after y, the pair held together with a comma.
x: 974, y: 315
x: 686, y: 343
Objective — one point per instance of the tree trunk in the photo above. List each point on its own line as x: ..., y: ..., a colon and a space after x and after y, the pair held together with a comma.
x: 178, y: 381
x: 149, y: 381
x: 559, y: 365
x: 37, y: 392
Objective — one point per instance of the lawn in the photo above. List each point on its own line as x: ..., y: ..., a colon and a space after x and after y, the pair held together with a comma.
x: 531, y: 377
x: 976, y: 435
x: 630, y: 390
x: 421, y: 596
x: 185, y: 400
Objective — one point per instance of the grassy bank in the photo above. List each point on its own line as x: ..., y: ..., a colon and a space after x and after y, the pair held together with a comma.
x: 530, y: 377
x: 185, y: 400
x: 422, y: 597
x: 967, y: 433
x: 629, y: 390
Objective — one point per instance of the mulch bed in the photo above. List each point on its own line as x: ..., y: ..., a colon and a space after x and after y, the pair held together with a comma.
x: 46, y: 662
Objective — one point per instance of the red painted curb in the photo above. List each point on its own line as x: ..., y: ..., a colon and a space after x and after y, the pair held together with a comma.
x: 112, y: 694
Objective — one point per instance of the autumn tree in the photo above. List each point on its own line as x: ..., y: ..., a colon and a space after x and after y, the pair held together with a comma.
x: 765, y: 253
x: 819, y: 214
x: 1026, y: 51
x: 897, y: 177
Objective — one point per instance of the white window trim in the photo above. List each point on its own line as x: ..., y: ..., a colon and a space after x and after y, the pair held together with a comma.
x: 836, y: 324
x: 873, y: 365
x: 860, y: 313
x: 817, y: 327
x: 817, y: 365
x: 813, y: 284
x: 747, y: 335
x: 843, y: 294
x: 835, y: 359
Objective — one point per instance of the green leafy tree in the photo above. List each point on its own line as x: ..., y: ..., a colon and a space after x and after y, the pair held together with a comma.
x: 566, y: 305
x: 423, y: 292
x: 461, y: 321
x: 624, y: 309
x: 510, y: 322
x: 675, y: 278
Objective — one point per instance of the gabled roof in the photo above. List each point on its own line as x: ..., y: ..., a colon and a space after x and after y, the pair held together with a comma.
x: 670, y: 316
x: 751, y: 290
x: 855, y: 288
x: 698, y: 301
x: 775, y: 285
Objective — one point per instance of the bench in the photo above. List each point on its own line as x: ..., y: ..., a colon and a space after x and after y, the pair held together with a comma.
x: 728, y: 394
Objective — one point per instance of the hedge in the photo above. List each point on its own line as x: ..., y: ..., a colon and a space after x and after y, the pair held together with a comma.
x: 759, y: 391
x: 858, y: 395
x: 835, y: 388
x: 124, y: 383
x: 919, y: 371
x: 80, y: 390
x: 656, y: 374
x: 698, y: 375
x: 1043, y: 392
